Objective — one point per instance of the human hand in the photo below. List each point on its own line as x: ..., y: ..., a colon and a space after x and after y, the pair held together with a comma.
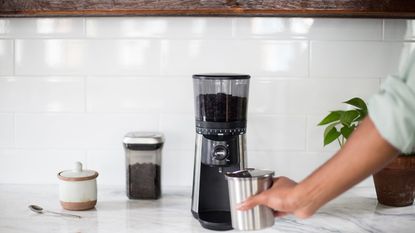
x: 282, y: 197
x: 365, y: 152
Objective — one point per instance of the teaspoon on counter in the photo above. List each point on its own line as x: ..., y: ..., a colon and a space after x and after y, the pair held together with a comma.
x: 40, y: 210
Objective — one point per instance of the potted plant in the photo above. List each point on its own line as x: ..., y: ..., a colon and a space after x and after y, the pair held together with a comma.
x: 394, y: 184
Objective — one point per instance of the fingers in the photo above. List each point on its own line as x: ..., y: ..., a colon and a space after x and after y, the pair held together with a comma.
x: 277, y: 197
x: 258, y: 200
x: 283, y: 181
x: 279, y: 214
x: 251, y: 202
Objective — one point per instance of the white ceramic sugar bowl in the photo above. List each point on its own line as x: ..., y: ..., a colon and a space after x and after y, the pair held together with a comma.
x: 78, y: 188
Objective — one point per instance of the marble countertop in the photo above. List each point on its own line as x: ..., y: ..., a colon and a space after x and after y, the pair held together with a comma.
x: 355, y: 211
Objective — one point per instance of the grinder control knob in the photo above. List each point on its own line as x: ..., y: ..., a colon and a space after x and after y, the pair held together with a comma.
x: 220, y: 152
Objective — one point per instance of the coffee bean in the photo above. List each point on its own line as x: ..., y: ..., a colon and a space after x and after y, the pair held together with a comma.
x: 221, y: 107
x: 143, y: 181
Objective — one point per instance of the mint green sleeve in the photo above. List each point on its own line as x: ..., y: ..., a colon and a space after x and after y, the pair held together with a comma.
x: 392, y: 109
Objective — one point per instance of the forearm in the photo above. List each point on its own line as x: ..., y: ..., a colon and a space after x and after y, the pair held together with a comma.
x: 364, y: 153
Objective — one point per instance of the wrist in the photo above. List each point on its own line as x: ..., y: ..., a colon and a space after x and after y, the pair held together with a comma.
x: 307, y: 199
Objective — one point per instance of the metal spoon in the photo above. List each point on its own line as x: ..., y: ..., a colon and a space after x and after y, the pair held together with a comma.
x: 40, y: 210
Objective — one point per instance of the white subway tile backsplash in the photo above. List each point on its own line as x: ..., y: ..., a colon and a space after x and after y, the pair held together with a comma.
x: 103, y: 57
x: 276, y: 132
x: 325, y: 95
x: 177, y: 95
x: 125, y: 27
x: 179, y: 130
x: 295, y: 165
x: 6, y: 130
x: 277, y: 96
x: 110, y: 165
x: 123, y: 94
x: 36, y: 166
x: 6, y: 57
x: 354, y: 59
x: 71, y: 88
x: 345, y: 29
x: 186, y: 57
x: 42, y: 94
x: 42, y: 27
x: 277, y: 28
x: 200, y: 27
x: 306, y: 96
x: 309, y: 28
x: 158, y: 27
x: 4, y: 26
x: 139, y: 94
x: 49, y: 56
x: 399, y: 29
x: 177, y: 167
x: 122, y: 57
x: 79, y: 131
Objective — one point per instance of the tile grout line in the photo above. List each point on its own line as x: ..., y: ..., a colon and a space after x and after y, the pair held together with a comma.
x: 85, y: 152
x: 271, y: 77
x: 306, y: 133
x: 161, y: 57
x: 270, y: 38
x: 14, y: 130
x: 14, y: 56
x: 309, y: 60
x: 84, y: 27
x: 233, y: 29
x: 160, y: 76
x: 159, y: 125
x: 85, y: 78
x: 85, y: 81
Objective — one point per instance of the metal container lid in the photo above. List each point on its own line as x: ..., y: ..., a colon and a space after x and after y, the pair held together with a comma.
x: 249, y: 173
x: 221, y: 76
x: 143, y: 138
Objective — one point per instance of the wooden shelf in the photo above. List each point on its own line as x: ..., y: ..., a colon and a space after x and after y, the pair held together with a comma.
x: 295, y: 8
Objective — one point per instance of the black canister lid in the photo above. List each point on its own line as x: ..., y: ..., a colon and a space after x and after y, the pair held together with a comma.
x: 250, y: 173
x: 221, y: 76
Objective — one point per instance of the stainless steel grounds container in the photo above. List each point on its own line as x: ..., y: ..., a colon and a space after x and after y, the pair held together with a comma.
x: 243, y: 184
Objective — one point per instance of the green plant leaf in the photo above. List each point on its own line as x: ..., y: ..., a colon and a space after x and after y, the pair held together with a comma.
x: 358, y: 103
x: 347, y: 131
x: 332, y: 135
x: 348, y: 117
x: 362, y: 114
x: 333, y: 116
x: 329, y: 127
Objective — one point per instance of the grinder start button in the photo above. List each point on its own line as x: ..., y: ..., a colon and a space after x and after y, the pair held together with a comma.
x: 220, y: 152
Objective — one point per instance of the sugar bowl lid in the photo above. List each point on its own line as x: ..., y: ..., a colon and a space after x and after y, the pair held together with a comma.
x: 250, y: 173
x: 77, y: 173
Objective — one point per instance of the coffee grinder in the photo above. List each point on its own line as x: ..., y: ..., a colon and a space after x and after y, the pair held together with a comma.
x: 221, y: 102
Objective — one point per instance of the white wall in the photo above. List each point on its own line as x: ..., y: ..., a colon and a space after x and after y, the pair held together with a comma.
x: 70, y: 88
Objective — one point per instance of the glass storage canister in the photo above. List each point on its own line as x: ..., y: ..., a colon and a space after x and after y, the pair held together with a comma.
x: 143, y: 164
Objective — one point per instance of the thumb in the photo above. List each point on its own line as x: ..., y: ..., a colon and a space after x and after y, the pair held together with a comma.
x: 251, y: 202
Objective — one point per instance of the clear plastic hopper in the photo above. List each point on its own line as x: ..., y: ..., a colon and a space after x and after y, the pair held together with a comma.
x: 221, y: 97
